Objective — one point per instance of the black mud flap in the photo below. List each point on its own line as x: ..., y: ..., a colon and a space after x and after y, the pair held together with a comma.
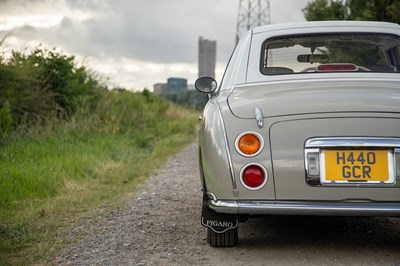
x: 217, y: 222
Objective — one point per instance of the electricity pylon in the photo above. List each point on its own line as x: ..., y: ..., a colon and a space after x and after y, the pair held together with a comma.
x: 252, y: 13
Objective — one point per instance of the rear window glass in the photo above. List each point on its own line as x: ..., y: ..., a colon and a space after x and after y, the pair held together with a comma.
x: 331, y: 53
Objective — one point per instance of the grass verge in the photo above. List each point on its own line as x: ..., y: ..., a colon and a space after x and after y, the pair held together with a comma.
x: 52, y: 181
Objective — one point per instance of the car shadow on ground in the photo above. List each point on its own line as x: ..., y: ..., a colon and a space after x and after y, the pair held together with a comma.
x: 347, y: 233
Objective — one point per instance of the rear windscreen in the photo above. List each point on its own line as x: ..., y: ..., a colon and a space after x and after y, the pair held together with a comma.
x: 357, y: 52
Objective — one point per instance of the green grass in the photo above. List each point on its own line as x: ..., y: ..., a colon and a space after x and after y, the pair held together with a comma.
x: 52, y: 177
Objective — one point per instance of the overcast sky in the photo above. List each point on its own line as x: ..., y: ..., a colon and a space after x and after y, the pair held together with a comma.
x: 135, y: 43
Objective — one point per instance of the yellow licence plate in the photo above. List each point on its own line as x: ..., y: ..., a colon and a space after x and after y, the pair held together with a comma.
x: 356, y: 166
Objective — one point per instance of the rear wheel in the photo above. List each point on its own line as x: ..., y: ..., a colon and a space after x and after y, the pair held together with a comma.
x: 228, y: 238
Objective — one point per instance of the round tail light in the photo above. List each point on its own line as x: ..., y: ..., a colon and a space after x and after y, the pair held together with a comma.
x: 253, y: 176
x: 249, y: 144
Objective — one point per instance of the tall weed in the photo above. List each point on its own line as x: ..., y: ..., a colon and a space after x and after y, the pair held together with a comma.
x: 5, y: 119
x: 36, y: 161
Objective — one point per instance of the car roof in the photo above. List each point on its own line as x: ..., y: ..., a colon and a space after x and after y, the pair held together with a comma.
x: 322, y: 24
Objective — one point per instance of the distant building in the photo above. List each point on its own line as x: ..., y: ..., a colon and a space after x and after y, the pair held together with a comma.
x: 207, y: 57
x: 173, y: 85
x: 176, y: 85
x: 159, y: 88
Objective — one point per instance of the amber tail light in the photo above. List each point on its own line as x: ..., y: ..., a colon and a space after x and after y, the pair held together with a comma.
x: 249, y: 144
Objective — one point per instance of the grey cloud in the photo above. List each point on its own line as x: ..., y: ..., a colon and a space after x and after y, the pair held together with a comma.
x: 90, y: 4
x: 154, y: 31
x: 66, y: 23
x: 160, y: 31
x: 28, y: 7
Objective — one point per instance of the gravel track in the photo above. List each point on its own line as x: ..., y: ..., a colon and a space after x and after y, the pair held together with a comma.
x: 160, y: 225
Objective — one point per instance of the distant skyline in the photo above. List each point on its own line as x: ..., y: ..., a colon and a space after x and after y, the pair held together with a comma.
x: 135, y: 43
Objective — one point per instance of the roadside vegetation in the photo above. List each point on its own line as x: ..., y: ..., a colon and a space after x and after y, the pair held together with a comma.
x: 373, y: 10
x: 69, y: 145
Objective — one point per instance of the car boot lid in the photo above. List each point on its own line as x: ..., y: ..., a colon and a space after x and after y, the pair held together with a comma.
x: 315, y: 96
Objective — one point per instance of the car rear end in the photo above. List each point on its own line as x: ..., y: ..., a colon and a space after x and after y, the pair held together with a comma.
x: 314, y: 135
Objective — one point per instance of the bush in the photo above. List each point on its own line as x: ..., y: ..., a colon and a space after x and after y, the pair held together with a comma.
x: 44, y: 84
x: 19, y: 87
x: 59, y: 74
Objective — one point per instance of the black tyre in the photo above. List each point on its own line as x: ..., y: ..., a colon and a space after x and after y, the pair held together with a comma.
x: 227, y: 239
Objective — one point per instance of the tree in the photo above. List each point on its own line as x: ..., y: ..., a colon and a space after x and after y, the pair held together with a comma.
x: 325, y: 10
x: 374, y: 10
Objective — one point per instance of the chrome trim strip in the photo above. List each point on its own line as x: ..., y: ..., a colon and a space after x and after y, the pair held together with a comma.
x: 306, y: 208
x: 211, y: 196
x: 352, y: 142
x: 231, y: 207
x: 235, y: 191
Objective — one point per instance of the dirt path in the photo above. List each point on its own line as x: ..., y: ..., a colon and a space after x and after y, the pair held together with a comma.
x: 160, y: 226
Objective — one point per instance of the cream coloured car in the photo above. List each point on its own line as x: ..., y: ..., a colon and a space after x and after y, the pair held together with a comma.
x: 306, y: 121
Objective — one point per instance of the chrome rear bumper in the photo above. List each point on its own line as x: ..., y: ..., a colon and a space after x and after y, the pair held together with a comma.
x: 305, y: 208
